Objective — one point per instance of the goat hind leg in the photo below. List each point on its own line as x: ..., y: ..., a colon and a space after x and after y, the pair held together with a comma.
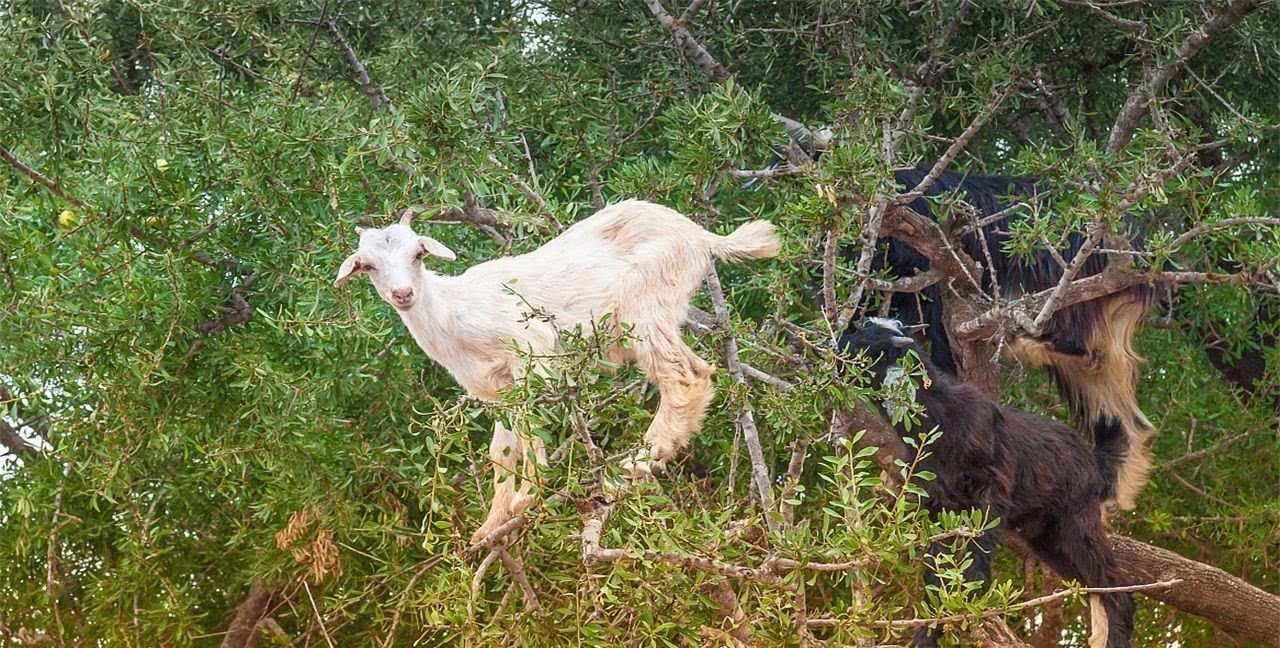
x: 684, y: 386
x: 1079, y: 550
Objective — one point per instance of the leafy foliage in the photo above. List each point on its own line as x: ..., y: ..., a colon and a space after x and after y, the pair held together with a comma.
x: 207, y: 162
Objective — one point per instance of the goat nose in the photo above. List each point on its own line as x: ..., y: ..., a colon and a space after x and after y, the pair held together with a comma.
x: 402, y: 294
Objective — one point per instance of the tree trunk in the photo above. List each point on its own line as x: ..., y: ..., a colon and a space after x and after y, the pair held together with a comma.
x: 240, y: 634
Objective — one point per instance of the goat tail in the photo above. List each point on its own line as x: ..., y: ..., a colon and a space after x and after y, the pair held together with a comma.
x: 1098, y: 626
x: 1110, y: 620
x: 755, y: 240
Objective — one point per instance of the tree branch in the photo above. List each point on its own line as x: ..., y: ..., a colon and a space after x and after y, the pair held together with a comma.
x: 53, y: 186
x: 1135, y: 106
x: 13, y: 441
x: 956, y: 147
x: 529, y: 193
x: 1205, y: 591
x: 692, y: 49
x: 746, y: 418
x: 240, y: 634
x: 377, y: 97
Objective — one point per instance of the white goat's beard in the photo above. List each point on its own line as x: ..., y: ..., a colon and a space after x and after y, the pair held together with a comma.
x: 901, y: 392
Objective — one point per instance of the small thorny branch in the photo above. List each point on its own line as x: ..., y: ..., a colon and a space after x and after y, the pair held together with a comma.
x: 995, y: 612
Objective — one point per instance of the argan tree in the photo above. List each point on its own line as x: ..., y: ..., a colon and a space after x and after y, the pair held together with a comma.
x: 205, y: 443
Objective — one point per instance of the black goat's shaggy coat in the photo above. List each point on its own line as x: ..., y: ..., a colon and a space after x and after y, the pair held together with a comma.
x: 1034, y: 474
x: 1087, y: 347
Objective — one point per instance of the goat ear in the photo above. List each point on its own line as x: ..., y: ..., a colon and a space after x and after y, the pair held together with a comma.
x: 899, y: 341
x: 436, y: 248
x: 348, y: 268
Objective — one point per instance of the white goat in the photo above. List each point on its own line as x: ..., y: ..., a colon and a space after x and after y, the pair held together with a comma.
x: 637, y: 261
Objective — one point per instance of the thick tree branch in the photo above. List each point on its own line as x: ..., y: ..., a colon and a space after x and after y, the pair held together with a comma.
x: 692, y: 49
x: 1140, y: 187
x: 1205, y: 591
x: 1135, y: 106
x: 1108, y: 282
x: 729, y: 612
x: 240, y: 634
x: 999, y: 612
x: 13, y: 441
x: 531, y: 603
x: 10, y: 438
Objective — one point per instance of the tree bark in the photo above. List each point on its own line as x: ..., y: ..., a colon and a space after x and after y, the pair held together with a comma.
x: 14, y: 442
x: 240, y: 634
x: 1205, y: 591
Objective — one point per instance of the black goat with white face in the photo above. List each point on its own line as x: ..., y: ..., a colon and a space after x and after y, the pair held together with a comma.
x: 1032, y: 473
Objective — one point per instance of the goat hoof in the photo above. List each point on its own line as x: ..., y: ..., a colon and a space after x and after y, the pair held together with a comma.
x: 485, y: 529
x: 638, y: 469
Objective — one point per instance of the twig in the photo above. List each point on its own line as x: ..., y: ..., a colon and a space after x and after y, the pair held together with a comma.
x: 529, y: 193
x: 766, y: 174
x: 51, y: 185
x: 477, y: 580
x: 1107, y: 15
x: 473, y: 212
x: 319, y: 619
x: 302, y: 67
x: 1199, y: 454
x: 746, y: 418
x: 1225, y: 223
x: 956, y: 147
x: 830, y: 253
x: 795, y: 468
x: 377, y: 97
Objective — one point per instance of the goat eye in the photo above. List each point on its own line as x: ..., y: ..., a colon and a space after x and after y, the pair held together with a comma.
x: 419, y: 255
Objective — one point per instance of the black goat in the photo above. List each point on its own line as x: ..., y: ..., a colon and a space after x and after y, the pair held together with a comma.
x: 1034, y: 474
x: 1087, y: 347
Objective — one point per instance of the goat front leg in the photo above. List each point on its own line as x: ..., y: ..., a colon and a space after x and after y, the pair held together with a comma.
x: 980, y: 552
x: 506, y: 451
x: 533, y: 458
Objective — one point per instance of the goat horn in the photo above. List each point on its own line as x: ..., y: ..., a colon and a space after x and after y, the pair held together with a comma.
x: 406, y: 216
x: 914, y: 327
